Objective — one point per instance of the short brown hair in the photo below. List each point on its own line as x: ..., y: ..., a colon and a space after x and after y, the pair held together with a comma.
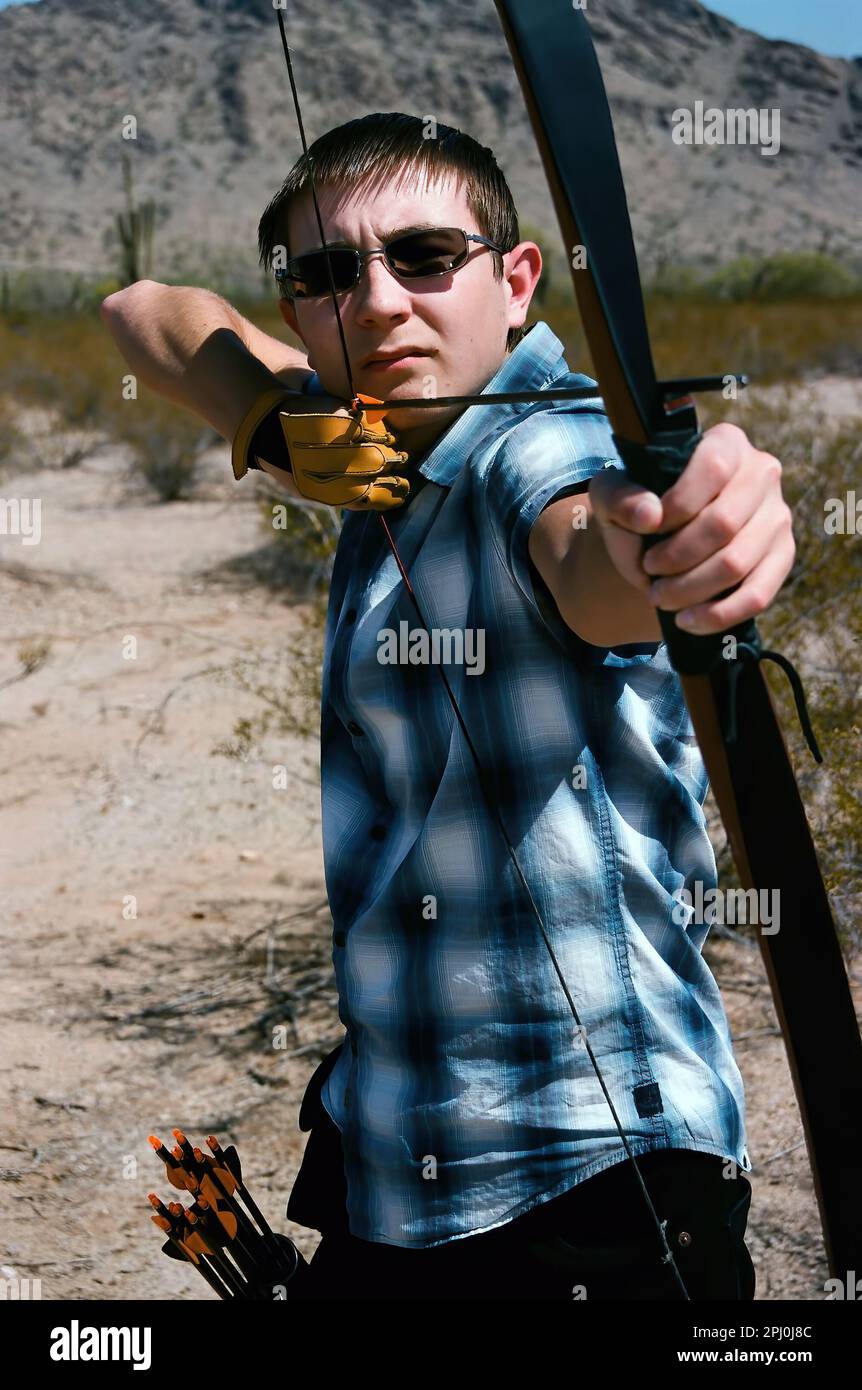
x: 383, y: 144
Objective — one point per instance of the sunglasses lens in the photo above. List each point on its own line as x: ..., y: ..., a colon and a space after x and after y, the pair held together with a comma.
x: 435, y: 251
x: 432, y: 252
x: 309, y: 277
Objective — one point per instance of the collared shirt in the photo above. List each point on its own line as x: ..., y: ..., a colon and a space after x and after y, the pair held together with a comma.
x: 464, y: 1094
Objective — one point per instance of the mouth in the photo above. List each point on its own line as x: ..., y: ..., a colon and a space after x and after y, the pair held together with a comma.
x: 389, y: 361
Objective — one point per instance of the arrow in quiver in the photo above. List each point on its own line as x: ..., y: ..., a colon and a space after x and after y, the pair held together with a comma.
x: 223, y: 1233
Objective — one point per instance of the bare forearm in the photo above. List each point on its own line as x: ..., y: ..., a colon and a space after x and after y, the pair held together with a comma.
x: 604, y: 608
x: 593, y: 598
x: 194, y: 348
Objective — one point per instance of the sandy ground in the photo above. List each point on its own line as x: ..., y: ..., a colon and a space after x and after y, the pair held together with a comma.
x: 115, y: 1027
x: 164, y: 905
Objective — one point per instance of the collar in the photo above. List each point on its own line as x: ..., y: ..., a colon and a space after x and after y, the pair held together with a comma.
x: 533, y: 364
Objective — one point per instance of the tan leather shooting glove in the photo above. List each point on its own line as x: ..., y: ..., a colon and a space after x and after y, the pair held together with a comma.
x: 343, y: 460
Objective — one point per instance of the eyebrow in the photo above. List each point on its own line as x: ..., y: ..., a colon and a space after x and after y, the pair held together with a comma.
x: 402, y: 231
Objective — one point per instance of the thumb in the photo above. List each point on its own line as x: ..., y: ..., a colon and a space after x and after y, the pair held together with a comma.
x: 617, y: 501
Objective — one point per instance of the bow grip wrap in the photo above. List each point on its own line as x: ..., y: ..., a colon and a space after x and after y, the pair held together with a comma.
x: 657, y: 465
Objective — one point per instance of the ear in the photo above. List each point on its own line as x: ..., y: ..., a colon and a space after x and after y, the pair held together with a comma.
x: 523, y: 273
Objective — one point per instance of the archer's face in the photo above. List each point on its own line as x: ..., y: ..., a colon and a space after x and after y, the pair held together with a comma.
x: 453, y: 325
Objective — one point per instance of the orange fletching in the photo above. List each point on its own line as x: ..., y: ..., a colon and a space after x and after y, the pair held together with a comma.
x: 367, y: 403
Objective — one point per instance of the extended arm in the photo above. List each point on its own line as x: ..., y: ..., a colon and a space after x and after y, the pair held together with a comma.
x: 568, y: 549
x: 728, y: 531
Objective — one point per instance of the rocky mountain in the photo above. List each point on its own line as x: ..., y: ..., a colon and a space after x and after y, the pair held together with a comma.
x: 206, y: 85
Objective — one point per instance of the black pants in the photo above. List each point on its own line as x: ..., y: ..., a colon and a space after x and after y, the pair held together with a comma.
x: 595, y: 1242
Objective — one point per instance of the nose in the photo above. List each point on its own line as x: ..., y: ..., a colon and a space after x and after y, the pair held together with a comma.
x: 379, y: 291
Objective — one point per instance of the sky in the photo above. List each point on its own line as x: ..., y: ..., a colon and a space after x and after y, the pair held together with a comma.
x: 832, y: 26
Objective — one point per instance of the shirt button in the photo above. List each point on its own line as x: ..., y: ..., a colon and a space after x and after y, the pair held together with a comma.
x: 378, y: 832
x: 339, y: 938
x: 354, y: 728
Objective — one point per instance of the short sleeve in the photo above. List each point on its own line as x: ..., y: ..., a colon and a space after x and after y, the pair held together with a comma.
x: 546, y: 457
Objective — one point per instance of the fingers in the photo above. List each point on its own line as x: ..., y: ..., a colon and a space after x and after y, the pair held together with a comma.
x: 753, y: 488
x: 751, y: 598
x: 723, y: 452
x: 725, y: 525
x: 626, y: 513
x: 617, y: 501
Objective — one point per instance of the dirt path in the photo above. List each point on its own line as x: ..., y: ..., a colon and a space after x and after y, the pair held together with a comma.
x: 113, y: 802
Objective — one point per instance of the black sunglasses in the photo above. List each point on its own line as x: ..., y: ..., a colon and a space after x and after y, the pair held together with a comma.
x: 410, y: 256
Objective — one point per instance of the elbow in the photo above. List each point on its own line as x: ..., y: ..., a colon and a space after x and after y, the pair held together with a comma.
x: 116, y: 308
x: 110, y: 306
x: 109, y: 311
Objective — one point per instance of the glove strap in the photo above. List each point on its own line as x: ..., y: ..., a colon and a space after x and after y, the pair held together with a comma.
x: 241, y: 456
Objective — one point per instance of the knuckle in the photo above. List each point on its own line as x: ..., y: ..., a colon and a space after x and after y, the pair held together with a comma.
x: 725, y: 430
x: 771, y: 466
x: 732, y: 565
x: 722, y: 524
x: 721, y: 466
x: 757, y: 600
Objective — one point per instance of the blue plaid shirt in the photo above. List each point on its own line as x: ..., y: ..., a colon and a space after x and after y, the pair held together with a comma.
x: 463, y: 1094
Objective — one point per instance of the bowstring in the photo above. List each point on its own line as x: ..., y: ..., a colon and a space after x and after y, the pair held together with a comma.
x: 323, y: 242
x: 484, y: 783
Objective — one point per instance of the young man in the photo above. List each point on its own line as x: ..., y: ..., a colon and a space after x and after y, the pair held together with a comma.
x: 462, y: 1142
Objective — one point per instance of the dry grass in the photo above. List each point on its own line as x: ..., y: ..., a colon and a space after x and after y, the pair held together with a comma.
x: 789, y: 341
